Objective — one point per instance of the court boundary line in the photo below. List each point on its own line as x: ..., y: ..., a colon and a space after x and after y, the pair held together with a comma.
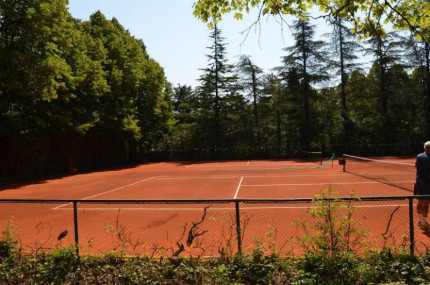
x: 238, y: 187
x: 323, y: 183
x: 109, y: 191
x: 255, y: 176
x: 247, y: 163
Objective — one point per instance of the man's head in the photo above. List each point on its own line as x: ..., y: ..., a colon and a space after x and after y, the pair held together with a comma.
x: 427, y: 147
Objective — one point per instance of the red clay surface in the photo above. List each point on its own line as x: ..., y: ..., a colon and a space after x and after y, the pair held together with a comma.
x: 158, y: 228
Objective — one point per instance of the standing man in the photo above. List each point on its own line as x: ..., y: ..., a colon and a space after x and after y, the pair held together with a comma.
x: 422, y: 185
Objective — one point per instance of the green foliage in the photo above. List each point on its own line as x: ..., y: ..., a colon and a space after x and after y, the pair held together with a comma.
x: 303, y: 66
x: 332, y: 230
x: 257, y: 267
x: 245, y: 269
x: 366, y: 15
x: 78, y: 95
x: 72, y: 82
x: 55, y: 266
x: 8, y: 242
x: 219, y: 105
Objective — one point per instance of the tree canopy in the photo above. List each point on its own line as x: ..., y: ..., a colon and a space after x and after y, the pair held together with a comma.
x: 367, y: 16
x: 85, y: 94
x: 75, y: 93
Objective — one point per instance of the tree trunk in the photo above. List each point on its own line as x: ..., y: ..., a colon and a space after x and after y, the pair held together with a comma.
x: 345, y: 134
x: 216, y: 105
x: 306, y: 126
x: 254, y: 94
x: 383, y: 95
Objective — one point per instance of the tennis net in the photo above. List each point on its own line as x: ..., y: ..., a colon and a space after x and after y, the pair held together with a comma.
x: 313, y: 156
x: 401, y: 175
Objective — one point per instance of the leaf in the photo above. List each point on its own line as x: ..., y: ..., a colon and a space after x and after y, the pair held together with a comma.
x: 238, y: 16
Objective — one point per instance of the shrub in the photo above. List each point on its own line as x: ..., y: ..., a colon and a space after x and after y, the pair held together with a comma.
x: 332, y: 230
x: 56, y: 265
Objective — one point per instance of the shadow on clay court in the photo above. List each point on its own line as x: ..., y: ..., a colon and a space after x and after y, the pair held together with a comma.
x: 7, y: 183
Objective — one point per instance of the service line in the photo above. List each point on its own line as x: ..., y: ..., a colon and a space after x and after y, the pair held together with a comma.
x: 324, y: 183
x: 255, y: 176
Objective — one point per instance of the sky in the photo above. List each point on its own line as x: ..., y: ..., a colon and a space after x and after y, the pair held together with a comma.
x: 178, y: 41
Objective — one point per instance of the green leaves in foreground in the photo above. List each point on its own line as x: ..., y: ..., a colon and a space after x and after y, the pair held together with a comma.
x: 367, y: 15
x: 61, y: 267
x: 332, y: 229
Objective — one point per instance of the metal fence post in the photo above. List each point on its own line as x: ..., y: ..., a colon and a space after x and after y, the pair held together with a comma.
x: 75, y: 222
x: 239, y: 231
x: 411, y: 226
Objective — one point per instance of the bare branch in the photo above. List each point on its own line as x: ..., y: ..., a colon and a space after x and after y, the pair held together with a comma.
x: 192, y: 233
x: 181, y: 246
x: 389, y: 221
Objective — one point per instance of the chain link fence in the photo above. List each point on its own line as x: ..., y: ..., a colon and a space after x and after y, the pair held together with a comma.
x: 214, y: 227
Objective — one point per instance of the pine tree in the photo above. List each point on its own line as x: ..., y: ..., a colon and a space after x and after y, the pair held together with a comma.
x: 386, y: 49
x: 418, y: 54
x: 251, y: 82
x: 308, y: 59
x: 217, y: 82
x: 274, y: 113
x: 344, y: 56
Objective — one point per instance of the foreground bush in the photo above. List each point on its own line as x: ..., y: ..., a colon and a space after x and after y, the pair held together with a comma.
x: 62, y: 267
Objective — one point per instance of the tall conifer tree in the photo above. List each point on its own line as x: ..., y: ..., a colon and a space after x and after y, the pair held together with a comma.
x: 217, y: 82
x: 308, y: 59
x: 344, y: 56
x: 251, y: 74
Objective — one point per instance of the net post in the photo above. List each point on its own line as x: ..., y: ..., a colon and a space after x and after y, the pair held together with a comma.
x: 344, y: 164
x: 238, y: 230
x: 411, y: 226
x: 75, y: 222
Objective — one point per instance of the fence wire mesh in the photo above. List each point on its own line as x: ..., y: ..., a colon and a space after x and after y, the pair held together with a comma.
x: 214, y: 228
x: 38, y: 226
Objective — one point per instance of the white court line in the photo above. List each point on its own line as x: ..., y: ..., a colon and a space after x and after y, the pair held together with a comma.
x: 226, y: 167
x: 109, y: 191
x: 197, y: 177
x: 119, y: 188
x: 255, y: 176
x: 385, y: 172
x: 238, y: 187
x: 223, y: 208
x: 324, y: 183
x: 249, y: 162
x: 280, y: 164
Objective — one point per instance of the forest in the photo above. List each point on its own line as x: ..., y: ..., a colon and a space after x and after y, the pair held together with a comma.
x: 81, y: 95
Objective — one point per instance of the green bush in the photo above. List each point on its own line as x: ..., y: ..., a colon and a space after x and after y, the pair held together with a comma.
x: 8, y: 242
x: 54, y: 266
x: 62, y: 267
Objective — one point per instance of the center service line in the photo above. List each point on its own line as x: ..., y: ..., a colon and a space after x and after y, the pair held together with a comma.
x: 238, y: 187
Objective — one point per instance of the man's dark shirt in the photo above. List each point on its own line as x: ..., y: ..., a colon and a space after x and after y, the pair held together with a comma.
x: 423, y: 166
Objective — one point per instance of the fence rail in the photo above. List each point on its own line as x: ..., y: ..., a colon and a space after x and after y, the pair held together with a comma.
x: 199, y: 227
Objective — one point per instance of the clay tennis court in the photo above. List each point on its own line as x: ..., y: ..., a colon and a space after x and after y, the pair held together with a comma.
x: 160, y: 227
